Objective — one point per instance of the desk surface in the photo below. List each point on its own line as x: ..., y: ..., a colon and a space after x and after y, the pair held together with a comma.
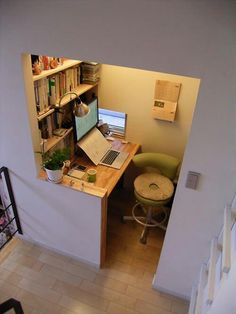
x: 107, y: 177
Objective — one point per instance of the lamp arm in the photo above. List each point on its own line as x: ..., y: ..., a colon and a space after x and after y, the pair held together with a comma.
x: 68, y: 93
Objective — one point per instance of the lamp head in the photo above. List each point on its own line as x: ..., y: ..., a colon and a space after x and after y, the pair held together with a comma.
x: 80, y: 108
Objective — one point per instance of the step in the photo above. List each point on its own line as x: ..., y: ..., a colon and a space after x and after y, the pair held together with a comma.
x: 200, y: 289
x: 226, y: 250
x: 193, y: 300
x: 212, y: 271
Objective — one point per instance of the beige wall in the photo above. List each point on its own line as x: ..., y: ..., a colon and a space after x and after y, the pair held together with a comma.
x: 132, y: 90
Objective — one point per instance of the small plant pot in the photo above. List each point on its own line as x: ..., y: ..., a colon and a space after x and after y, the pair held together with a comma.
x: 54, y: 176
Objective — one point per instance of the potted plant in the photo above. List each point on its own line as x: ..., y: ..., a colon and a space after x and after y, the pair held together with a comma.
x: 53, y: 164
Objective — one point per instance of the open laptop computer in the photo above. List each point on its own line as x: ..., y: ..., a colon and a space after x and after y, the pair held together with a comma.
x: 114, y: 158
x: 100, y: 151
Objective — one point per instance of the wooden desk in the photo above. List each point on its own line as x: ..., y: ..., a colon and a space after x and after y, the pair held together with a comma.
x: 107, y: 178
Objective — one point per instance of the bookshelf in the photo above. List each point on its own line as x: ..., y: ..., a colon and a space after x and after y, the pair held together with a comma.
x: 49, y: 86
x: 80, y: 90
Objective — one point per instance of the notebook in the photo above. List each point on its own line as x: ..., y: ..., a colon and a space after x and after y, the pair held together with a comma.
x: 100, y: 151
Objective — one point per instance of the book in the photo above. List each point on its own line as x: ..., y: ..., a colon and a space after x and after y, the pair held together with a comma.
x: 52, y: 91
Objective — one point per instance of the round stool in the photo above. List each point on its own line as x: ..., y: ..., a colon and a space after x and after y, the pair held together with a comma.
x: 152, y: 192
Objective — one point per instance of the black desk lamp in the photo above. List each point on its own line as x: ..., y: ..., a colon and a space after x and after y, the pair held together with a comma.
x: 80, y: 108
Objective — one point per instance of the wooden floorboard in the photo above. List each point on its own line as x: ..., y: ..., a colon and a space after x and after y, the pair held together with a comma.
x: 46, y: 282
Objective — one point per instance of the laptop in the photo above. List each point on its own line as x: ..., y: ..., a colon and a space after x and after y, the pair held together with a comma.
x: 100, y: 151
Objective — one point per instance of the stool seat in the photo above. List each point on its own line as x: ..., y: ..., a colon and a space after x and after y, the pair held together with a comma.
x: 153, y: 187
x: 153, y: 190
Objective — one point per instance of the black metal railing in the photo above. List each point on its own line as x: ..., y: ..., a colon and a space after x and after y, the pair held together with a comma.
x: 11, y: 304
x: 9, y: 219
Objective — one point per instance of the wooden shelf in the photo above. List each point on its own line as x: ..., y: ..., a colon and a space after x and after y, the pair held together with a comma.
x: 45, y: 114
x: 54, y: 140
x: 81, y: 89
x: 67, y: 64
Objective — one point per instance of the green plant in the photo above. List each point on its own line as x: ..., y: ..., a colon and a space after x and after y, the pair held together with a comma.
x: 54, y: 161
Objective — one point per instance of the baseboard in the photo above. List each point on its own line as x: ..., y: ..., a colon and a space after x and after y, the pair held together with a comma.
x: 170, y: 292
x: 84, y: 261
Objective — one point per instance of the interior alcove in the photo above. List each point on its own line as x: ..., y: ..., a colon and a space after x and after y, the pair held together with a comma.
x: 131, y: 90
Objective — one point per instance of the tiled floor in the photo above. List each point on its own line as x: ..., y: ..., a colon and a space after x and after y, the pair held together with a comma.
x: 46, y: 282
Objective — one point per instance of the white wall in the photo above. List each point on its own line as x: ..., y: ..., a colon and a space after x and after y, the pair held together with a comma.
x: 191, y: 38
x: 132, y: 91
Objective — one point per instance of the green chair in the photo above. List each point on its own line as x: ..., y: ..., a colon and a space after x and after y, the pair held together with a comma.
x: 153, y: 189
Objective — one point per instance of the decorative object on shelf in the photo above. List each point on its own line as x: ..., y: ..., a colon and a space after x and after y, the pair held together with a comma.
x: 80, y: 108
x: 53, y: 63
x: 60, y: 61
x: 45, y: 62
x: 36, y: 68
x: 54, y: 164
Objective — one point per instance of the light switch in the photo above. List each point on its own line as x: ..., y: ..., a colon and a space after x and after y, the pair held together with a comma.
x: 192, y: 180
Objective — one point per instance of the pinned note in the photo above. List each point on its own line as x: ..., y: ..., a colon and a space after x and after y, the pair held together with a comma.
x: 166, y: 97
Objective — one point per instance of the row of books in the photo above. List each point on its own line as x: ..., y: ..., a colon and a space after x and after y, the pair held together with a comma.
x: 49, y: 124
x: 49, y: 90
x: 90, y: 72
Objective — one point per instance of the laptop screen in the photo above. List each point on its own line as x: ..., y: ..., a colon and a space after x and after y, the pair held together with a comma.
x: 94, y: 145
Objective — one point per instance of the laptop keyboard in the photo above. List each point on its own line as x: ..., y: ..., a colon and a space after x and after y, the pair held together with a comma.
x: 110, y: 157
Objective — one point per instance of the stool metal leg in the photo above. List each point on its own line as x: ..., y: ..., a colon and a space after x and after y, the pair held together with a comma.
x: 148, y: 220
x: 135, y: 217
x: 143, y: 238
